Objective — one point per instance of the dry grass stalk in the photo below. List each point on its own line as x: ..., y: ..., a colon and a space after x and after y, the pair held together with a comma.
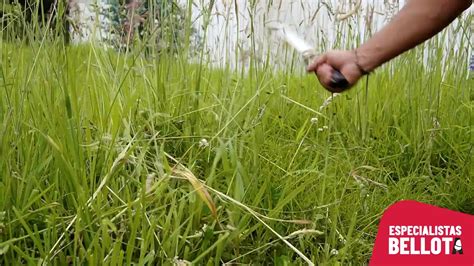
x: 361, y: 179
x: 183, y: 172
x: 328, y: 101
x: 150, y: 179
x: 353, y: 11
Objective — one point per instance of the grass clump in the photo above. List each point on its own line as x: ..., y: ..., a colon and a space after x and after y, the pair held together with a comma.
x: 98, y: 149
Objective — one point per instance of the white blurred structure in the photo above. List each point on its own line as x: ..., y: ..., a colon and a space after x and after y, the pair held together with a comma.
x: 237, y: 31
x: 231, y: 21
x: 88, y: 23
x: 328, y: 24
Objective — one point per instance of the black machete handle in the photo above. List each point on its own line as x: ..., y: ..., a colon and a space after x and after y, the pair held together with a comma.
x: 338, y: 81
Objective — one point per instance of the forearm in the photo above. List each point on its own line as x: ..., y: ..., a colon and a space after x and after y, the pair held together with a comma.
x: 418, y: 21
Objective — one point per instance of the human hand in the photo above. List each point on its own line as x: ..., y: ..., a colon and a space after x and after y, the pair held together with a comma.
x: 344, y: 61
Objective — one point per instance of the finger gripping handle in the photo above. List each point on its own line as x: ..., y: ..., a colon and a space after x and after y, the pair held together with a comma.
x: 338, y: 81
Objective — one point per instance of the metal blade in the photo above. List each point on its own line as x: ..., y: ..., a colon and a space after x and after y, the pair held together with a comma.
x: 291, y: 37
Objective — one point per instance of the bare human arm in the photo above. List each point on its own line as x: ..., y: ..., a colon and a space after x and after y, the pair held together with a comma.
x: 418, y: 21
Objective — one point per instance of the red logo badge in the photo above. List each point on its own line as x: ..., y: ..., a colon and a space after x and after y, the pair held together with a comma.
x: 414, y: 233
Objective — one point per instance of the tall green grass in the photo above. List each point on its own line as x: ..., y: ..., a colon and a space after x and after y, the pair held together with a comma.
x: 90, y: 140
